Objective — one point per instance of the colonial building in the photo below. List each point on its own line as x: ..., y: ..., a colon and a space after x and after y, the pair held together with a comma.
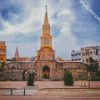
x: 85, y: 53
x: 2, y: 51
x: 17, y: 70
x: 46, y: 64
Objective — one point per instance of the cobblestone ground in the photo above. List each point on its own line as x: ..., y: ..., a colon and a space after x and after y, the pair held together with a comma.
x: 43, y: 98
x: 60, y: 84
x: 48, y: 84
x: 54, y: 90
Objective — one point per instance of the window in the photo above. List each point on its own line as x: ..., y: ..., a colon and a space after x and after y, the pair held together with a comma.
x: 96, y: 52
x: 83, y: 54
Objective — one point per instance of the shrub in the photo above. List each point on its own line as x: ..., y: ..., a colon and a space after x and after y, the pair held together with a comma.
x: 14, y: 79
x: 68, y: 78
x: 31, y: 78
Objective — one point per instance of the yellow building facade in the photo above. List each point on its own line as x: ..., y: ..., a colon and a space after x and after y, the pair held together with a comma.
x: 2, y: 51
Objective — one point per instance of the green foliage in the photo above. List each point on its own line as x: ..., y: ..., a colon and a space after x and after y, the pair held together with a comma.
x: 13, y: 79
x: 31, y: 78
x: 2, y: 74
x: 2, y: 66
x: 93, y: 65
x: 98, y: 73
x: 68, y: 78
x: 92, y: 68
x: 46, y: 71
x: 45, y: 76
x: 97, y: 78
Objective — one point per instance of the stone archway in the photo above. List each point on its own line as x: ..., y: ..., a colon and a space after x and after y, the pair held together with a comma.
x: 45, y: 72
x: 24, y: 77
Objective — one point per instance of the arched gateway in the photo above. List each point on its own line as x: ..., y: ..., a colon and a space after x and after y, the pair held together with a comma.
x: 46, y: 72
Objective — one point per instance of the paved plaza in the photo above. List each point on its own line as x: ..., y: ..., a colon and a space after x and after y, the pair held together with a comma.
x: 50, y: 90
x: 49, y: 84
x: 43, y: 98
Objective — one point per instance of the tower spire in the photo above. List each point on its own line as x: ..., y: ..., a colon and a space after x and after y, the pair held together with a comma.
x: 46, y: 7
x: 46, y: 38
x: 17, y: 53
x: 46, y: 22
x: 46, y: 25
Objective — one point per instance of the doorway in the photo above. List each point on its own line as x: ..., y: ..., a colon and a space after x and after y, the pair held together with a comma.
x: 46, y: 72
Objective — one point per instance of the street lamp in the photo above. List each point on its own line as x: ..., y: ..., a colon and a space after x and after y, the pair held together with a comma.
x: 88, y: 79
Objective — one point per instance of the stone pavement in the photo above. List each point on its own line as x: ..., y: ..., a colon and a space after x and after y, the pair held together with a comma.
x: 53, y: 90
x: 44, y: 98
x: 65, y: 93
x: 60, y: 84
x: 48, y: 84
x: 13, y: 84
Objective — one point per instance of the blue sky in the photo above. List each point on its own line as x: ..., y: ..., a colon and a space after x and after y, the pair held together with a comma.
x: 72, y: 25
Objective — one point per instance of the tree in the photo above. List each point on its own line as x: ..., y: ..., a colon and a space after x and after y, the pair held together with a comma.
x: 98, y: 73
x: 2, y: 74
x: 2, y: 66
x: 68, y: 78
x: 31, y: 78
x: 92, y: 67
x: 98, y: 76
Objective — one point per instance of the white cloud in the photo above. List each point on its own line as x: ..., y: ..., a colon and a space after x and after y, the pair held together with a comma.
x: 32, y: 16
x: 65, y: 41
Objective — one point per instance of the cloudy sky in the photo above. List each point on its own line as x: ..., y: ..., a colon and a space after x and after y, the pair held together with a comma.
x: 72, y: 25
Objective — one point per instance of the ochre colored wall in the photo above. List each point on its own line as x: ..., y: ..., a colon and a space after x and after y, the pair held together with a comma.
x: 2, y: 52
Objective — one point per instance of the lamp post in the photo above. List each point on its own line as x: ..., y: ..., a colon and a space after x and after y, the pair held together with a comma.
x: 88, y: 79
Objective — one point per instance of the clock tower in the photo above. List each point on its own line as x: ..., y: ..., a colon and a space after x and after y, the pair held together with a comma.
x: 46, y: 52
x: 46, y: 38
